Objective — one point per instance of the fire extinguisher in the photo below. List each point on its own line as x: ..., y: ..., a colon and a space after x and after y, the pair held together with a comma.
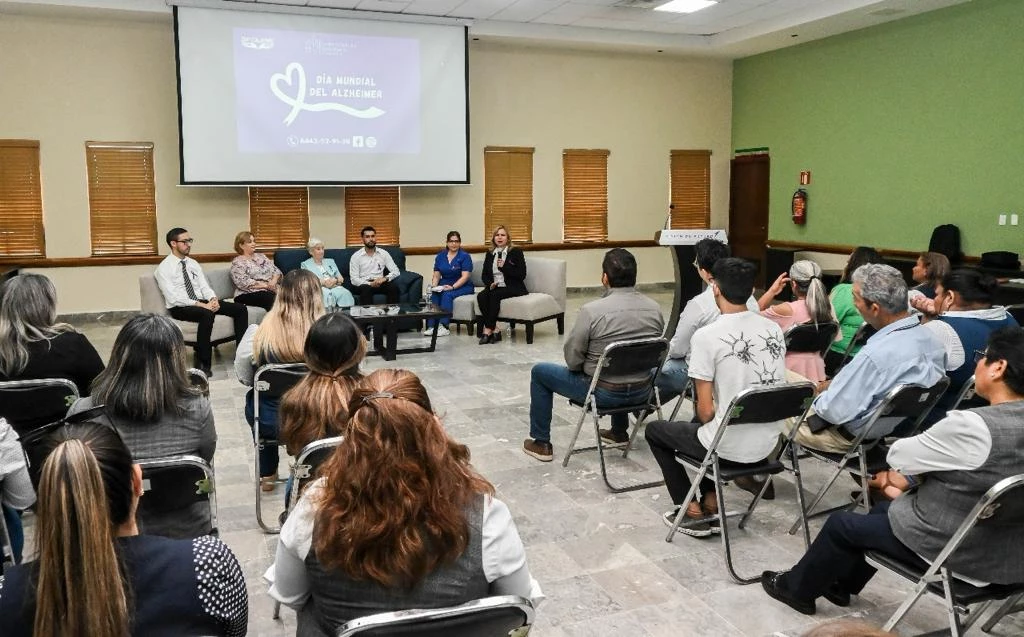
x: 800, y: 207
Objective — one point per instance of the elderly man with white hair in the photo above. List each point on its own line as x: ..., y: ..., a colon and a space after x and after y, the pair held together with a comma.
x: 901, y: 352
x: 335, y: 294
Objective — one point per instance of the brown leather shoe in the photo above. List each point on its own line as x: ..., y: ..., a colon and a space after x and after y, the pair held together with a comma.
x: 268, y: 483
x: 614, y: 438
x: 542, y: 451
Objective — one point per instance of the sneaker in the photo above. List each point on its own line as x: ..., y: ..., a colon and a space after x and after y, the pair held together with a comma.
x: 427, y: 331
x: 542, y: 451
x: 613, y: 437
x: 697, y: 529
x: 443, y: 331
x: 773, y: 584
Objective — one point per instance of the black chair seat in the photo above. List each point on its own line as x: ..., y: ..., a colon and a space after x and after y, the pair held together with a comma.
x: 964, y: 593
x: 731, y: 473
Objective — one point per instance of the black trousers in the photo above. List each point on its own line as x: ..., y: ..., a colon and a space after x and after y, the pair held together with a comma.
x: 665, y: 438
x: 259, y: 298
x: 837, y: 554
x: 490, y: 303
x: 204, y: 317
x: 367, y: 292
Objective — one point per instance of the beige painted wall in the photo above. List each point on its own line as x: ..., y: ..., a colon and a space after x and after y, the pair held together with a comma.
x: 66, y: 81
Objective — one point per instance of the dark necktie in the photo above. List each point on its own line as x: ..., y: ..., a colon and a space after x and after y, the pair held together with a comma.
x: 191, y: 291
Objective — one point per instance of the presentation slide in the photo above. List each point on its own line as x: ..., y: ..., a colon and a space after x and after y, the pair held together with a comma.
x: 273, y: 98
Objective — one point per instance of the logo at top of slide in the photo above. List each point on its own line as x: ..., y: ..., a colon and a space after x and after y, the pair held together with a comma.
x: 294, y: 77
x: 250, y: 42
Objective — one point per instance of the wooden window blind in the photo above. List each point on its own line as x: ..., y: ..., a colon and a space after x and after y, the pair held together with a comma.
x: 279, y: 217
x: 122, y: 197
x: 508, y: 192
x: 584, y: 195
x: 691, y: 188
x: 21, y: 201
x: 369, y: 206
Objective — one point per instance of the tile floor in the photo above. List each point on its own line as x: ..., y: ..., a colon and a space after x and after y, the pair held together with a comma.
x: 601, y: 558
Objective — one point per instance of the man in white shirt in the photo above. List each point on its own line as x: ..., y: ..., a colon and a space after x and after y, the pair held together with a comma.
x: 699, y: 311
x: 189, y: 296
x: 372, y: 271
x: 740, y: 349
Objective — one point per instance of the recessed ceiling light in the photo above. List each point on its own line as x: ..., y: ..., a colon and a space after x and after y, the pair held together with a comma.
x: 685, y: 6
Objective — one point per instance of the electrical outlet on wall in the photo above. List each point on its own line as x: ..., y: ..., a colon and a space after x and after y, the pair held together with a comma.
x: 1002, y: 220
x: 1013, y: 219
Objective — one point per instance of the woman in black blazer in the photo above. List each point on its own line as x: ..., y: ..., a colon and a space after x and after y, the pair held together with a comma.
x: 504, y: 276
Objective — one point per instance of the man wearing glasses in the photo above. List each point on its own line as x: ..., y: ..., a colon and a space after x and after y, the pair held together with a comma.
x: 189, y: 296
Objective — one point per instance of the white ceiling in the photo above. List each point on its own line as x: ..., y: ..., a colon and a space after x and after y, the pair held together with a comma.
x: 732, y: 28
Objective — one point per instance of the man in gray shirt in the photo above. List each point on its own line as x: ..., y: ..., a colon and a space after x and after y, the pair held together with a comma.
x: 620, y: 314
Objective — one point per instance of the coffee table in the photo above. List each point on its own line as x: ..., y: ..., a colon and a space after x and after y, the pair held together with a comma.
x: 384, y: 320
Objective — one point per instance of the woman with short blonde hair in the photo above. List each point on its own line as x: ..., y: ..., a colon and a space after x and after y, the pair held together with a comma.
x: 254, y: 275
x: 504, y: 276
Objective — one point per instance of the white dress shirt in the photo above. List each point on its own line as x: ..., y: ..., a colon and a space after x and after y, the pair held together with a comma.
x: 172, y: 283
x: 364, y: 267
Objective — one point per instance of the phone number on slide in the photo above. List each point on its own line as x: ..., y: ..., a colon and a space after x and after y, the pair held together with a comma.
x: 357, y: 141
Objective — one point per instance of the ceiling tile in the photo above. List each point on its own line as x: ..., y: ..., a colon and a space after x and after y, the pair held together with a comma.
x: 479, y: 8
x: 334, y: 4
x: 432, y: 7
x: 525, y: 10
x: 382, y: 5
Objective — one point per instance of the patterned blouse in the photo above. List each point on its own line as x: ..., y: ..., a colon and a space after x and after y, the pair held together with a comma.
x: 246, y: 272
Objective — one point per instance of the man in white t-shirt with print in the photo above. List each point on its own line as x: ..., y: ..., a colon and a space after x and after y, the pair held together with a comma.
x: 741, y: 349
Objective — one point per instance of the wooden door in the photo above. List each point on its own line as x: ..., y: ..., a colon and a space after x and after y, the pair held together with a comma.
x: 748, y: 209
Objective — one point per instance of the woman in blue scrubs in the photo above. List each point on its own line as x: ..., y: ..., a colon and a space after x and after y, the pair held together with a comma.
x: 452, y: 270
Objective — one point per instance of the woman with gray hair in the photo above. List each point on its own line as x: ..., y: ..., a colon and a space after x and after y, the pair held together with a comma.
x: 33, y: 344
x: 149, y: 400
x: 811, y: 304
x: 335, y: 294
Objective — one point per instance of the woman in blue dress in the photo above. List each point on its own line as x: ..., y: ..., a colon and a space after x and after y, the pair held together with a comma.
x: 452, y: 268
x: 335, y: 294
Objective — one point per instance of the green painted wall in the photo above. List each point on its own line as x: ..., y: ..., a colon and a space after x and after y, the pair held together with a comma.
x: 904, y: 126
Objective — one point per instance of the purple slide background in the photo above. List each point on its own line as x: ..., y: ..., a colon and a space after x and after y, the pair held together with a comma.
x: 392, y: 63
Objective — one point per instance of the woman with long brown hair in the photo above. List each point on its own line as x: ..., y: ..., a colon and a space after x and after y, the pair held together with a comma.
x: 280, y: 338
x: 398, y: 519
x: 95, y: 576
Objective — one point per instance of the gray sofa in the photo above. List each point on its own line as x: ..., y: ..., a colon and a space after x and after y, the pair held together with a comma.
x: 545, y: 280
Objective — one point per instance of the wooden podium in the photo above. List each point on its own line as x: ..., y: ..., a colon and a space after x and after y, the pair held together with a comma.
x: 688, y: 283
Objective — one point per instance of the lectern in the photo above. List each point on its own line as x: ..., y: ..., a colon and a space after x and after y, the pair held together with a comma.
x: 688, y: 283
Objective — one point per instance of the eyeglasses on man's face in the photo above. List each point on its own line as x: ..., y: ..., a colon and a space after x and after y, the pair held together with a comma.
x: 980, y: 354
x: 186, y: 241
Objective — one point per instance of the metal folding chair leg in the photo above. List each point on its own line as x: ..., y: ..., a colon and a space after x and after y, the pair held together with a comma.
x: 1004, y: 609
x: 794, y: 457
x: 268, y: 529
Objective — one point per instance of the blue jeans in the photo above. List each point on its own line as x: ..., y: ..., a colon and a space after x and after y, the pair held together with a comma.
x: 15, y: 531
x: 269, y: 456
x: 548, y: 379
x: 673, y: 378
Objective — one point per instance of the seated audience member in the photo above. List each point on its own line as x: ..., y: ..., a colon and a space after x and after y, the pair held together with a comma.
x: 372, y: 271
x: 317, y: 407
x: 699, y: 311
x: 452, y: 268
x: 399, y: 519
x: 929, y: 270
x: 620, y: 314
x: 335, y: 294
x: 254, y: 275
x: 902, y: 352
x: 95, y: 575
x: 738, y: 350
x: 846, y: 312
x: 189, y: 297
x: 504, y: 276
x: 280, y: 338
x: 952, y: 465
x: 17, y: 493
x: 811, y: 305
x: 33, y: 344
x: 147, y: 395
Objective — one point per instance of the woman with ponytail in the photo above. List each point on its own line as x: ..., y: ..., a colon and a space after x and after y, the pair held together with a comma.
x: 317, y: 407
x: 811, y: 305
x: 95, y: 576
x: 398, y: 519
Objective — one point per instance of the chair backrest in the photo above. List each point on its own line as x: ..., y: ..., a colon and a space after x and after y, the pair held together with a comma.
x: 29, y: 404
x: 174, y: 483
x: 547, y: 276
x: 905, y: 402
x: 1017, y: 312
x: 478, y: 272
x: 274, y: 379
x: 769, y: 404
x: 311, y: 458
x: 811, y: 337
x: 966, y: 398
x: 6, y: 548
x: 632, y: 357
x: 860, y: 337
x: 220, y: 282
x: 487, y: 617
x: 151, y: 299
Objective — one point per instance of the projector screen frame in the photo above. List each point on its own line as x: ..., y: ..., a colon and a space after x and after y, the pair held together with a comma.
x: 182, y: 181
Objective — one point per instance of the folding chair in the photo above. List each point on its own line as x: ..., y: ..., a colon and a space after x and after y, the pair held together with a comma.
x: 6, y: 549
x: 763, y: 405
x: 30, y: 404
x: 1010, y: 606
x: 996, y: 507
x: 303, y: 471
x: 811, y: 337
x: 501, y: 616
x: 860, y: 337
x: 622, y: 358
x: 967, y: 398
x: 902, y: 401
x: 198, y: 379
x: 270, y: 381
x: 174, y: 483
